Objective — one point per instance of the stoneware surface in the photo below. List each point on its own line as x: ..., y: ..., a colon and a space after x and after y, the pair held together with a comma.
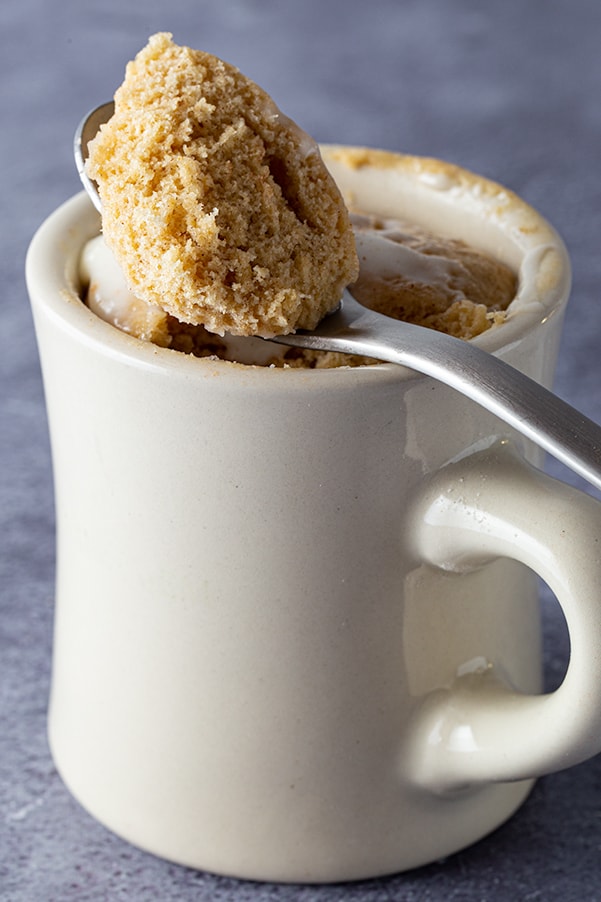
x: 505, y: 88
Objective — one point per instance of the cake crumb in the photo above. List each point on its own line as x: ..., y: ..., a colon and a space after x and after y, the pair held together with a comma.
x: 218, y: 208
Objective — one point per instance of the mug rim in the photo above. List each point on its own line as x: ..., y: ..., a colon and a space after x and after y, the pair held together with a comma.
x: 52, y: 256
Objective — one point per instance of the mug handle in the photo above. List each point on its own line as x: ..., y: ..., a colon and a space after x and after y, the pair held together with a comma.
x: 488, y: 505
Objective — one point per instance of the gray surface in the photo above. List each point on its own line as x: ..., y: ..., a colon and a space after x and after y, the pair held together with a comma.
x: 508, y: 88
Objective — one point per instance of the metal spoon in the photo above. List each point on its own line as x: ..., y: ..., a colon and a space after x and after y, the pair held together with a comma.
x: 85, y: 131
x: 498, y: 387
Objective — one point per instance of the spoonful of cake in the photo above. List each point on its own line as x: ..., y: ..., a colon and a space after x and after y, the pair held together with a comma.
x: 220, y: 210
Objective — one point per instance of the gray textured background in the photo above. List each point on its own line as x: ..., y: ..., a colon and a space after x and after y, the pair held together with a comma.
x: 509, y: 88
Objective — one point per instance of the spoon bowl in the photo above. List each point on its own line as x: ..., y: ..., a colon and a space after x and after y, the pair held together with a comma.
x: 519, y: 401
x: 85, y: 131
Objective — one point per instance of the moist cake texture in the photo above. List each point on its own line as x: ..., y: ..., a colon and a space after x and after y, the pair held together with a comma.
x: 405, y: 272
x: 410, y: 274
x: 222, y: 220
x: 217, y: 207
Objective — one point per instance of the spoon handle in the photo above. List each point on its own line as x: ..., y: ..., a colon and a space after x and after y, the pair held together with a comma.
x: 500, y: 388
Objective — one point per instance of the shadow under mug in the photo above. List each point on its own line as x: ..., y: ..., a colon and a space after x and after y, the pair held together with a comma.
x: 297, y: 630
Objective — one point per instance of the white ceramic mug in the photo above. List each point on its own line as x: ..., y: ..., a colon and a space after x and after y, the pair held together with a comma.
x: 297, y: 634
